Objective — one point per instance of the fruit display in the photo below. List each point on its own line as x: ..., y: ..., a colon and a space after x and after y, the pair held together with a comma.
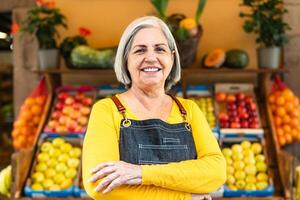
x: 55, y: 165
x: 285, y: 109
x: 237, y: 108
x: 25, y: 127
x: 246, y: 167
x: 5, y: 181
x: 71, y: 110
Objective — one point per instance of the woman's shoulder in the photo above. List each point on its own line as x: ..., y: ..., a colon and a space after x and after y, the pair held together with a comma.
x: 187, y: 103
x: 105, y: 103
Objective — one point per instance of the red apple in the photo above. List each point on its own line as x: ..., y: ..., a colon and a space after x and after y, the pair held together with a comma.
x: 59, y: 106
x: 235, y: 125
x: 220, y: 97
x: 244, y: 115
x: 244, y: 124
x: 85, y: 110
x: 248, y: 99
x: 69, y: 101
x: 62, y: 96
x: 87, y: 101
x: 77, y: 106
x: 231, y: 106
x: 223, y: 116
x: 253, y: 125
x: 56, y: 114
x: 82, y: 120
x: 240, y: 96
x: 235, y: 119
x: 224, y: 124
x: 252, y: 106
x: 79, y: 96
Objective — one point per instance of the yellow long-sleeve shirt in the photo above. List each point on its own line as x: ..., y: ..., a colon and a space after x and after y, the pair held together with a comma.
x: 159, y: 182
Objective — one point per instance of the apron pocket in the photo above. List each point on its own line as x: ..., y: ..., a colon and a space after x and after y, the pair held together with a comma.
x: 171, y: 141
x: 162, y: 154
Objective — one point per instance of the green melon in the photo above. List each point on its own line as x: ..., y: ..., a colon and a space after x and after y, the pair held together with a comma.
x: 237, y: 59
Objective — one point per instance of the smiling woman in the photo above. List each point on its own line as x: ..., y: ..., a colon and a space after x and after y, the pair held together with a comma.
x: 145, y: 143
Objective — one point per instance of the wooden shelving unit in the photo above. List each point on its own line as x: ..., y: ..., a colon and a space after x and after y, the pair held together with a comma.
x: 54, y: 79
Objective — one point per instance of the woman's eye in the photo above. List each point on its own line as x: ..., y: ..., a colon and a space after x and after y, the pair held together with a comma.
x: 160, y: 49
x: 140, y: 51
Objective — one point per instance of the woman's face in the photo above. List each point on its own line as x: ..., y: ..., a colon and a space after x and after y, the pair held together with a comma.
x: 150, y: 59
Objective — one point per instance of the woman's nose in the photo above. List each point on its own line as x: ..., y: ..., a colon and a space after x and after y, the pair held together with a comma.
x: 150, y: 56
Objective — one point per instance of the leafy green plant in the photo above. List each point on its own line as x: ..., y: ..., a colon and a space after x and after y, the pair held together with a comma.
x: 181, y: 26
x: 43, y: 21
x: 265, y: 19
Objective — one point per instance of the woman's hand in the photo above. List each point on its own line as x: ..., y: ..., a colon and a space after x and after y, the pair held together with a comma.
x: 201, y: 197
x: 115, y: 174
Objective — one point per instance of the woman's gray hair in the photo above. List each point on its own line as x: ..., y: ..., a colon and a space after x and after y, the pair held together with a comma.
x: 125, y: 44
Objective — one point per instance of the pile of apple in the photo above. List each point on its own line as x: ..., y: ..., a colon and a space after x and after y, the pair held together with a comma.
x: 206, y: 106
x: 246, y: 167
x: 285, y: 108
x: 70, y: 114
x: 56, y: 165
x: 25, y: 127
x: 237, y: 110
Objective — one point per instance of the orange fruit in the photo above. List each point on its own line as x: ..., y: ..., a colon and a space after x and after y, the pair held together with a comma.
x: 30, y: 101
x: 40, y: 100
x: 280, y: 100
x: 294, y: 122
x: 279, y: 132
x: 36, y: 110
x: 289, y: 106
x: 26, y: 115
x: 294, y: 133
x: 271, y: 99
x: 288, y: 138
x: 36, y: 120
x: 15, y: 133
x: 295, y: 112
x: 296, y: 101
x: 277, y: 121
x: 288, y: 94
x: 286, y: 128
x: 286, y: 119
x: 281, y: 140
x: 280, y: 111
x: 19, y: 123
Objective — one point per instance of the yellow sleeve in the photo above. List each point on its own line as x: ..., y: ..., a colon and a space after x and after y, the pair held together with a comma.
x: 203, y: 175
x: 101, y: 145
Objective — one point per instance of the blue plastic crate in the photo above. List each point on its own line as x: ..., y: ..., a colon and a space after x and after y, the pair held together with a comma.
x: 29, y: 192
x: 78, y: 192
x: 269, y: 191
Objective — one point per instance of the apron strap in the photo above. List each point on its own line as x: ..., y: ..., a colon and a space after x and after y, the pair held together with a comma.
x: 119, y: 105
x: 181, y: 108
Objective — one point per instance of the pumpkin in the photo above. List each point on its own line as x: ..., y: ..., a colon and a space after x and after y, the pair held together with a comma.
x: 215, y: 58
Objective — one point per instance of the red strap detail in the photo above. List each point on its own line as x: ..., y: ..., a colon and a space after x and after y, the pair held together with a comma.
x: 181, y: 108
x: 119, y: 105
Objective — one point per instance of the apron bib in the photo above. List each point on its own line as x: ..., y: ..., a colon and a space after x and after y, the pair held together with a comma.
x: 154, y: 141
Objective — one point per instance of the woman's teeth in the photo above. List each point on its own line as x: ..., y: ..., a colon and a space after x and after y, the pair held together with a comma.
x: 150, y: 69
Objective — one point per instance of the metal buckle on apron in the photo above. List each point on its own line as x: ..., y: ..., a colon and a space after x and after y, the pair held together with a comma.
x: 187, y: 125
x: 126, y: 123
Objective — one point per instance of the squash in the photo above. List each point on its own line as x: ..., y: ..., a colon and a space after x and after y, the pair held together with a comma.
x: 236, y: 58
x: 215, y: 58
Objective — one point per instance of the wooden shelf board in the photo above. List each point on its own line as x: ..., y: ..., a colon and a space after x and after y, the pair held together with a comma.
x: 189, y: 71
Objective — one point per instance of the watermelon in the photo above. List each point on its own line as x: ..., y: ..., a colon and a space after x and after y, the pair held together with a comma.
x: 236, y: 58
x: 86, y: 57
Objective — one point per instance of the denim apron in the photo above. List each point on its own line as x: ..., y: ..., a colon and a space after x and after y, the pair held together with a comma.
x: 154, y: 141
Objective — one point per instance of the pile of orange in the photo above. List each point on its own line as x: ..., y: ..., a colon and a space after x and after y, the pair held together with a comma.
x: 286, y: 114
x: 25, y: 127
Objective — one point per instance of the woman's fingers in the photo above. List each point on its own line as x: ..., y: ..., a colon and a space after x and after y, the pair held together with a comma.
x: 102, y: 173
x: 106, y: 181
x: 102, y: 165
x: 114, y: 184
